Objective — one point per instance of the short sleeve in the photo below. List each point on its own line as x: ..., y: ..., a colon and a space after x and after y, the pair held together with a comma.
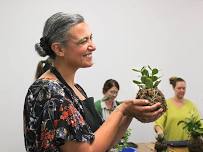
x: 52, y: 117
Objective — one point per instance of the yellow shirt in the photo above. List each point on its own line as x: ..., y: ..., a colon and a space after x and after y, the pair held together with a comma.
x: 168, y: 121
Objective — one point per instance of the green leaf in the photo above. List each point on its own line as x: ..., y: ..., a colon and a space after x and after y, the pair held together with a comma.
x: 155, y: 71
x: 154, y: 78
x: 180, y: 122
x: 156, y: 84
x: 149, y: 83
x: 199, y: 130
x: 143, y: 68
x: 136, y: 70
x: 144, y: 79
x: 141, y: 85
x: 149, y: 67
x: 137, y: 82
x: 145, y: 72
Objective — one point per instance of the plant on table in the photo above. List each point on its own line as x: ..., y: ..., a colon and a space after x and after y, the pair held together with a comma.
x: 194, y: 127
x: 160, y: 144
x: 124, y: 141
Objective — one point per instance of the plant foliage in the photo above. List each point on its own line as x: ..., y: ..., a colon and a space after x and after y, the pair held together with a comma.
x: 124, y: 140
x: 148, y: 77
x: 193, y: 126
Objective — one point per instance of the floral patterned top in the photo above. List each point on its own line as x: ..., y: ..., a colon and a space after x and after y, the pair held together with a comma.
x: 51, y: 117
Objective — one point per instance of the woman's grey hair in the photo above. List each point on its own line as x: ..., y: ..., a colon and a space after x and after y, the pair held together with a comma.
x: 56, y: 30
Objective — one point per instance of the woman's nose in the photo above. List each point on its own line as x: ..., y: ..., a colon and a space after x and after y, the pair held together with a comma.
x: 114, y: 95
x: 92, y: 46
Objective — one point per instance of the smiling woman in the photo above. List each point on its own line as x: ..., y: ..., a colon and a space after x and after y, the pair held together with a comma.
x: 80, y: 46
x: 108, y: 103
x: 58, y: 115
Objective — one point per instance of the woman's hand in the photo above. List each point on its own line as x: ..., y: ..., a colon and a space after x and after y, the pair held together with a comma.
x: 141, y: 110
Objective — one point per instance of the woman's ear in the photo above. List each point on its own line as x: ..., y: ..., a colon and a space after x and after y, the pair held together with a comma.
x: 58, y: 49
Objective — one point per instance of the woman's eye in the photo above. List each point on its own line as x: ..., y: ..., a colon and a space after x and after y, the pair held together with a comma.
x: 83, y: 41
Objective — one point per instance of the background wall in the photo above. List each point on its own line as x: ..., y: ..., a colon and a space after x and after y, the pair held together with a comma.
x: 167, y: 34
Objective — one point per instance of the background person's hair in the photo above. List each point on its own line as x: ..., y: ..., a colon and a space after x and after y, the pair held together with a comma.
x: 173, y: 81
x: 56, y: 30
x: 109, y: 84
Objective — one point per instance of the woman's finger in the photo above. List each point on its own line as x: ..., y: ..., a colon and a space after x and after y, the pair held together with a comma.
x: 149, y: 116
x: 140, y: 102
x: 149, y: 108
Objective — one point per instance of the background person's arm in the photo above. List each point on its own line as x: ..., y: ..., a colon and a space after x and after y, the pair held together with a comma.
x: 158, y: 129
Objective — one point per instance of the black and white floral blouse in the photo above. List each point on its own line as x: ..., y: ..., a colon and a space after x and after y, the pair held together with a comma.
x: 51, y: 117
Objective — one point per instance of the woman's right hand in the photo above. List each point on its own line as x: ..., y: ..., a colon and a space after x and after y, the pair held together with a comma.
x: 141, y: 110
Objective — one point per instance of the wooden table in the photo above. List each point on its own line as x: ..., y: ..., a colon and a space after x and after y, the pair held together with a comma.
x: 149, y: 147
x: 145, y: 147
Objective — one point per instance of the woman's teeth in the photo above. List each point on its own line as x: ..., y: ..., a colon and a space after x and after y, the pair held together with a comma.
x: 88, y: 55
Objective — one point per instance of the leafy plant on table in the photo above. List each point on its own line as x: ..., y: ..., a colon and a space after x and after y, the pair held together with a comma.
x: 124, y: 141
x: 194, y: 127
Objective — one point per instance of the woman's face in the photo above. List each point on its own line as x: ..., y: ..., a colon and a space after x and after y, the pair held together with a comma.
x: 112, y: 93
x: 79, y: 47
x: 180, y: 89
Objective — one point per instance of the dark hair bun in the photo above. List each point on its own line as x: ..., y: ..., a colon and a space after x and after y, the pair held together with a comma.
x: 172, y: 80
x: 40, y: 50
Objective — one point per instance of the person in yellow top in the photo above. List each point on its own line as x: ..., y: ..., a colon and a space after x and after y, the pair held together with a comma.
x: 179, y: 108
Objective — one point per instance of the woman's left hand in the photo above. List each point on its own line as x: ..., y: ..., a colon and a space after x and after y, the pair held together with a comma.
x: 142, y: 110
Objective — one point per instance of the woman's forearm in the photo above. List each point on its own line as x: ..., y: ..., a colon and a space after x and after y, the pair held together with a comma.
x: 105, y: 135
x: 124, y: 124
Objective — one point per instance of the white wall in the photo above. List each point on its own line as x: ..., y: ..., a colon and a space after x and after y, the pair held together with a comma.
x: 167, y: 34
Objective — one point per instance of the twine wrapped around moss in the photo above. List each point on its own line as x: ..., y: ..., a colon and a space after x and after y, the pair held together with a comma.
x: 154, y: 95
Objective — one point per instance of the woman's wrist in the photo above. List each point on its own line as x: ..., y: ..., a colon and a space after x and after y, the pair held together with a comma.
x: 123, y: 108
x: 119, y: 109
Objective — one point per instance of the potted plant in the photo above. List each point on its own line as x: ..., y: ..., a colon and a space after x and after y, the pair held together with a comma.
x: 193, y: 127
x: 124, y: 145
x: 148, y: 86
x: 160, y: 144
